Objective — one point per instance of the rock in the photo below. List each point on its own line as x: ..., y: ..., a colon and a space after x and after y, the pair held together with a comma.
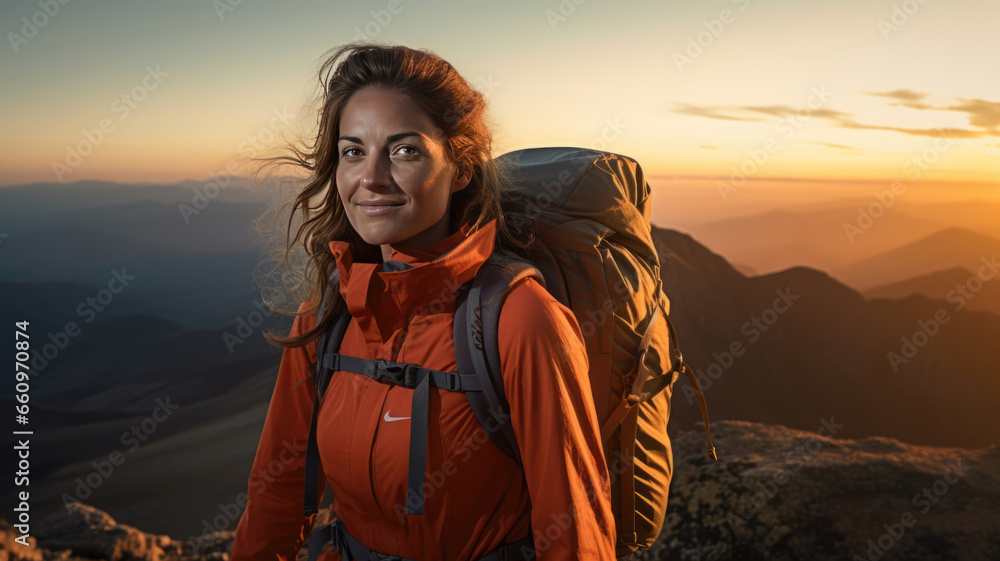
x: 15, y: 551
x: 92, y: 533
x: 207, y: 546
x: 778, y: 493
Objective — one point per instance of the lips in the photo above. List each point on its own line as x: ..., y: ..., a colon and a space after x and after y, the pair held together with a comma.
x: 377, y: 207
x: 381, y: 202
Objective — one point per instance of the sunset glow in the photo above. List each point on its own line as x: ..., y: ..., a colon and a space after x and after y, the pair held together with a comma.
x: 847, y: 91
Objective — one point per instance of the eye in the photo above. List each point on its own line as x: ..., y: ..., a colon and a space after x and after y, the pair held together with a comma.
x: 407, y: 150
x: 347, y: 151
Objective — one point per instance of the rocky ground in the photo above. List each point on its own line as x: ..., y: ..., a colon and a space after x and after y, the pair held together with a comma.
x: 775, y: 494
x: 782, y: 494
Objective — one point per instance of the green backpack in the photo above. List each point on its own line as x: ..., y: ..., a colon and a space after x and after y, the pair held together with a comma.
x: 595, y: 254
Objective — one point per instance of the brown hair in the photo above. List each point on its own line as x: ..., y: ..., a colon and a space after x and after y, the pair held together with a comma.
x: 459, y: 112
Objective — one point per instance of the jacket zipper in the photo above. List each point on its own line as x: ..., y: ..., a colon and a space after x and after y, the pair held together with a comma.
x: 372, y: 470
x: 371, y: 461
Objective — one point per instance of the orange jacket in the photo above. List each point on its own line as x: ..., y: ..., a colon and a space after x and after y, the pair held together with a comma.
x: 476, y: 497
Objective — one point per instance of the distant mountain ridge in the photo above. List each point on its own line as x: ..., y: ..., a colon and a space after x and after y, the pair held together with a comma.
x: 951, y: 247
x: 835, y: 236
x: 828, y: 351
x: 948, y: 284
x: 779, y: 239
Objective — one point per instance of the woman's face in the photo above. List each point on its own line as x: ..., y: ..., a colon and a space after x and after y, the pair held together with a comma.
x: 393, y: 175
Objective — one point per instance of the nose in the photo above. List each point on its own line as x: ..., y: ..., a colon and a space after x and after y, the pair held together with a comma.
x: 376, y: 172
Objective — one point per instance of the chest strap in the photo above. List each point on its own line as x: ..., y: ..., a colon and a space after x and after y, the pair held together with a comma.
x: 401, y: 373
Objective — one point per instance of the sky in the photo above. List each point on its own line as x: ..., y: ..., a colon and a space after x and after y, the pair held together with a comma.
x: 804, y: 96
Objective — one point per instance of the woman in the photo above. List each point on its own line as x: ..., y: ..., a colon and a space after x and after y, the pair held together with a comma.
x: 409, y: 208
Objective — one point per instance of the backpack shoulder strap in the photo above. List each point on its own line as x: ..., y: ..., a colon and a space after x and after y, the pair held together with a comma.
x: 327, y: 343
x: 477, y: 349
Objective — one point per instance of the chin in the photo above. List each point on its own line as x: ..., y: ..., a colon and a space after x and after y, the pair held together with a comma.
x: 380, y: 235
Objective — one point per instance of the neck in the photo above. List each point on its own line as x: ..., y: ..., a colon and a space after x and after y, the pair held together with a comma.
x: 422, y: 241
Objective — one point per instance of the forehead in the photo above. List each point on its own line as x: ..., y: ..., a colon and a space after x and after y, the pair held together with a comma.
x: 373, y: 111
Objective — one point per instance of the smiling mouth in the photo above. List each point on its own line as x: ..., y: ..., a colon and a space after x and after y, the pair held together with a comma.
x: 371, y: 209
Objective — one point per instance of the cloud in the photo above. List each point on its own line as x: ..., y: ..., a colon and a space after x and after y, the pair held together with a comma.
x: 787, y: 110
x: 839, y: 146
x: 901, y: 95
x: 707, y: 112
x: 982, y: 113
x: 905, y: 98
x: 945, y: 132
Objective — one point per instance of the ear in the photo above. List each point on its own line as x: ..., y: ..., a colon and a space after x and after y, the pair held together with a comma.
x: 461, y: 181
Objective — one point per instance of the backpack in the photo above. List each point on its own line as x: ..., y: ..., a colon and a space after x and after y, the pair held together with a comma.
x: 593, y: 252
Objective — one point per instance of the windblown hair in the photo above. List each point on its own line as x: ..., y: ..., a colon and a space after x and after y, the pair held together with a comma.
x: 460, y: 115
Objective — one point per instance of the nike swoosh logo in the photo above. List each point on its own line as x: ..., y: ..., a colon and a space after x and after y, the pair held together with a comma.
x: 388, y: 418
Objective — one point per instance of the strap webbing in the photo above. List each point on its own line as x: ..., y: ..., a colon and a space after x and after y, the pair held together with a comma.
x: 418, y: 448
x: 626, y: 531
x: 699, y: 393
x: 329, y: 340
x: 632, y: 396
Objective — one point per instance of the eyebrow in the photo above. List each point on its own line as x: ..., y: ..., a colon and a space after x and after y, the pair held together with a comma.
x: 391, y: 138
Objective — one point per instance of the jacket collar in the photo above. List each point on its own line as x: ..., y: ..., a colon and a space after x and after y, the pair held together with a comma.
x: 383, y: 301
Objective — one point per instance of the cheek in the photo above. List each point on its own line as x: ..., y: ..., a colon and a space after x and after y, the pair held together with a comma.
x: 342, y: 186
x: 431, y: 187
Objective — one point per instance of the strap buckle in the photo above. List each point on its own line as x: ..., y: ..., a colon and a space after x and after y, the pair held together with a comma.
x: 410, y: 375
x: 329, y: 361
x: 397, y: 373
